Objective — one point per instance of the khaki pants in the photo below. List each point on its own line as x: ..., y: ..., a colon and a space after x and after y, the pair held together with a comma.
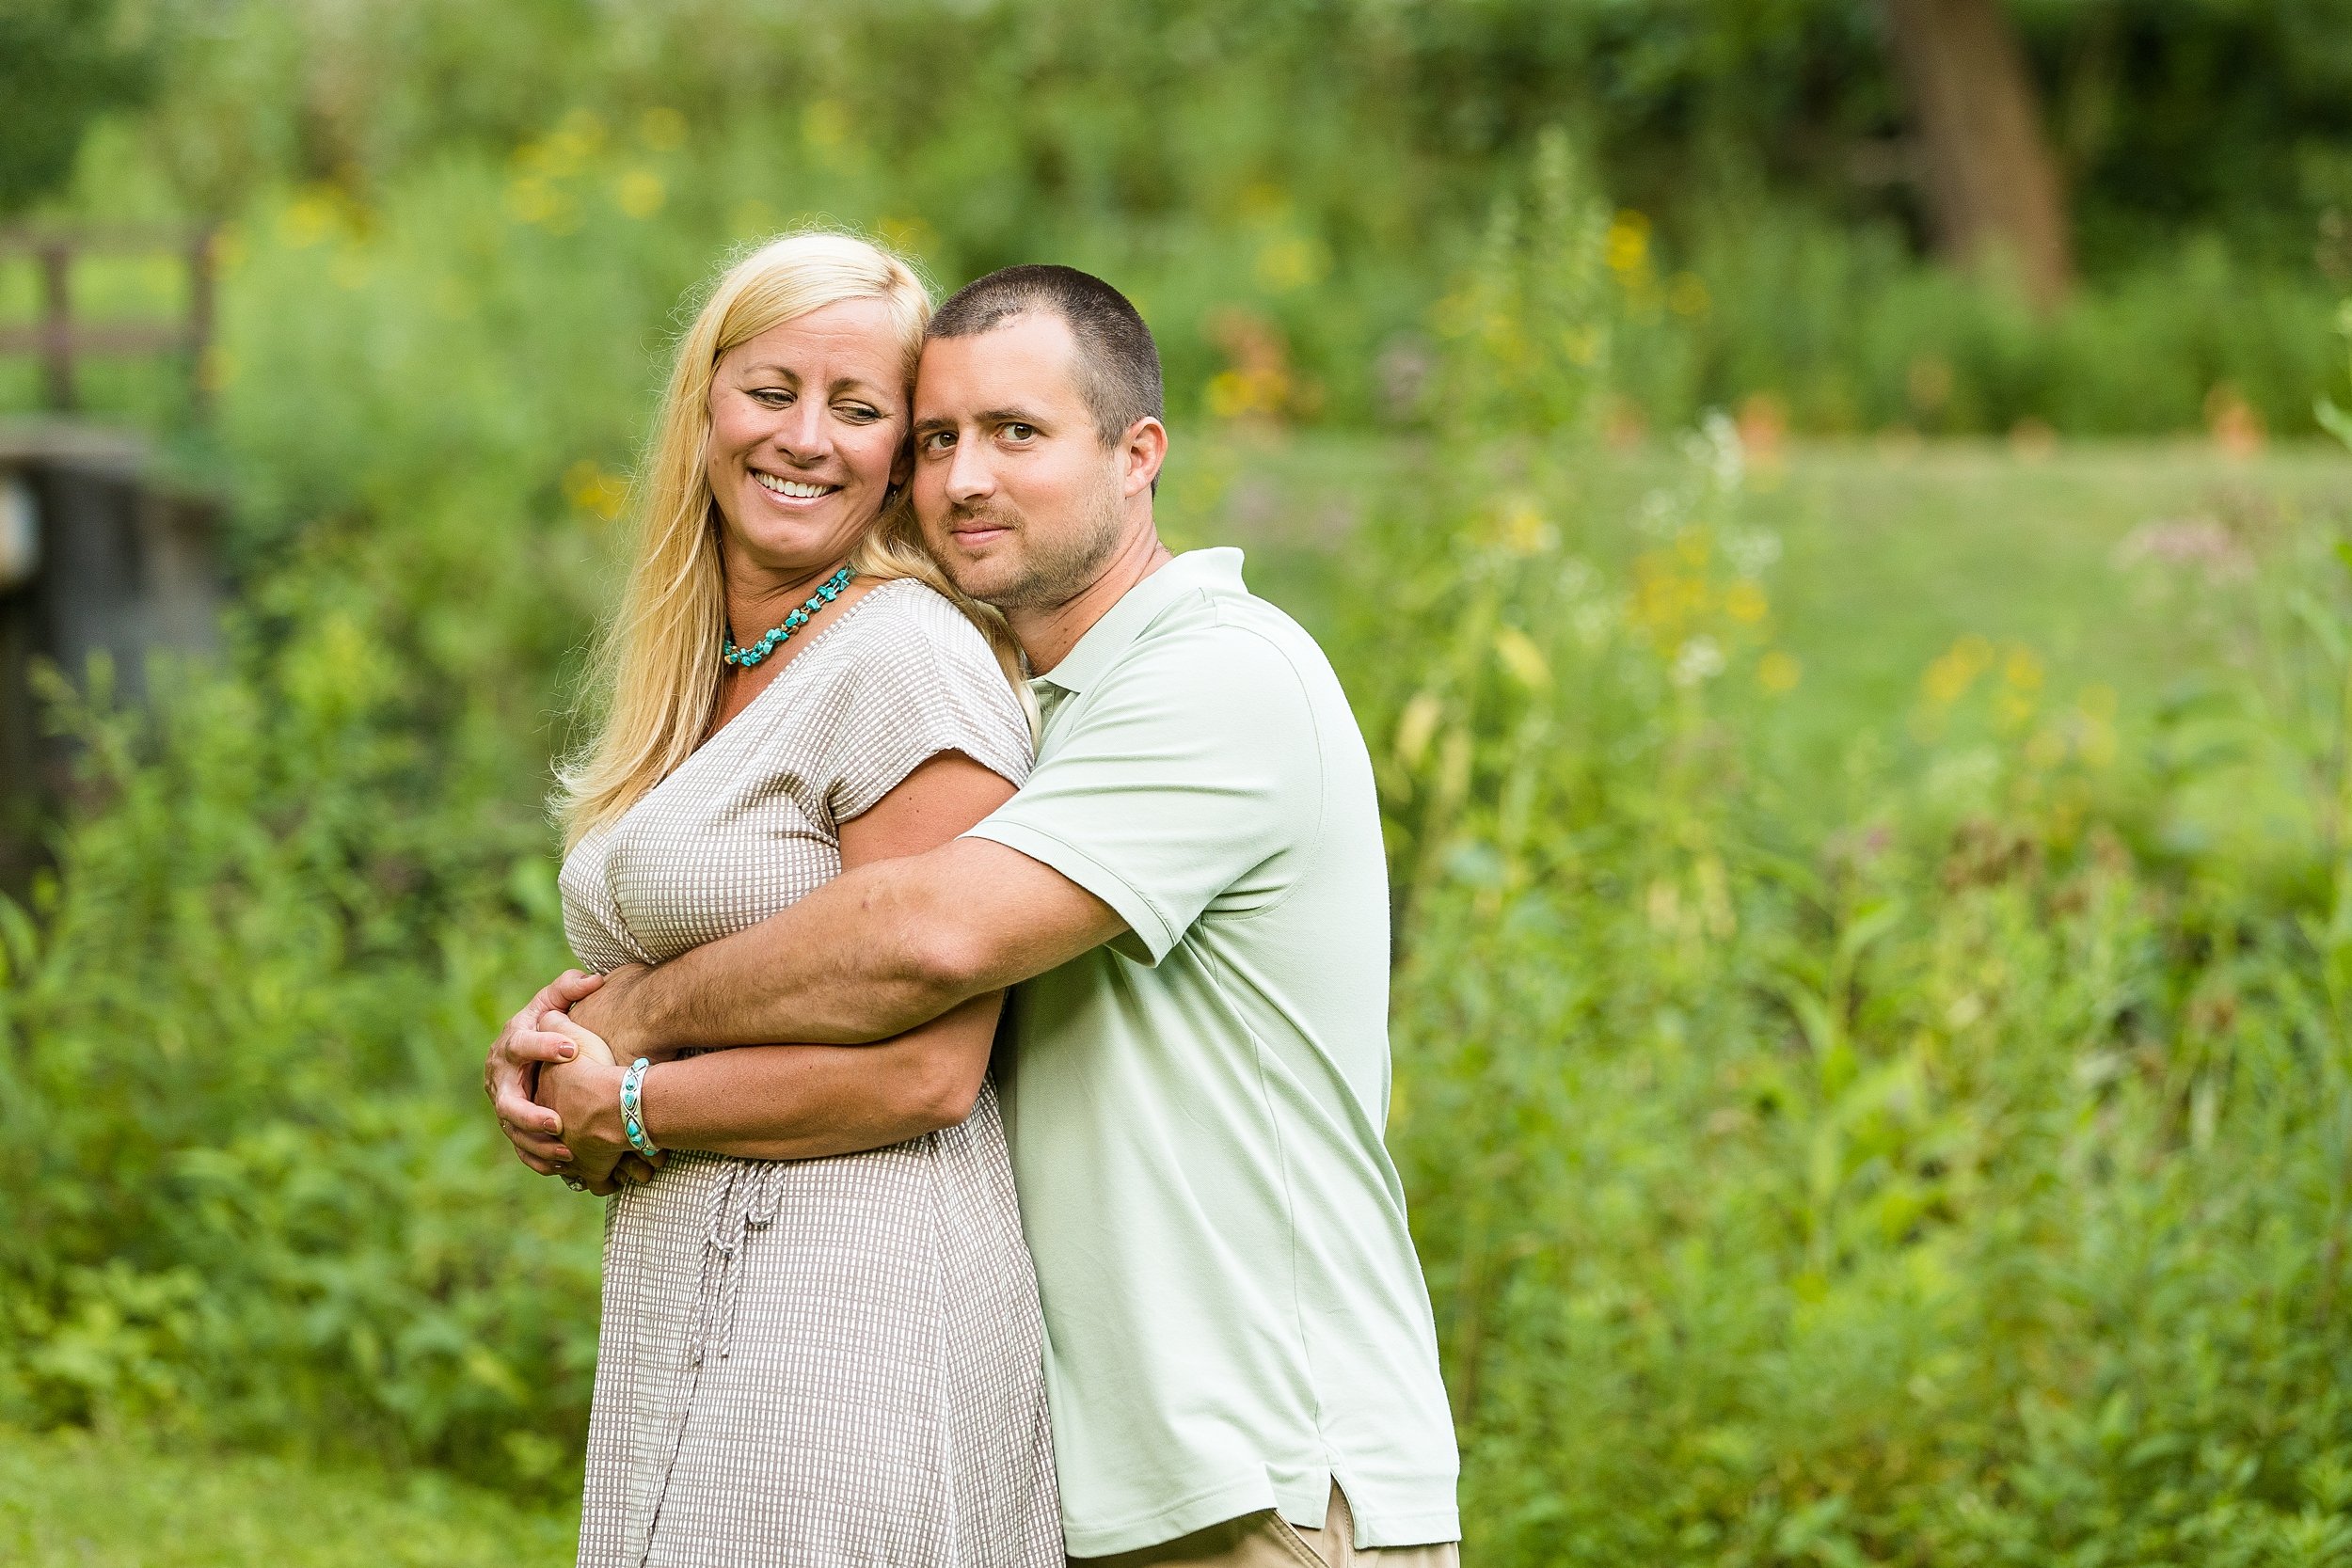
x: 1269, y: 1541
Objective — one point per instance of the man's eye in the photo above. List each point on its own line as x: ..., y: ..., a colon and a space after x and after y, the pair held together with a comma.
x: 938, y: 440
x: 1018, y: 432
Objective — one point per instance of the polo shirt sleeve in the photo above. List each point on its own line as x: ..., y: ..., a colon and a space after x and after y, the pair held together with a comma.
x: 1192, y: 776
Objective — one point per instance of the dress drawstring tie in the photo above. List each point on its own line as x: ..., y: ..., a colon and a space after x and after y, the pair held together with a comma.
x: 743, y: 1199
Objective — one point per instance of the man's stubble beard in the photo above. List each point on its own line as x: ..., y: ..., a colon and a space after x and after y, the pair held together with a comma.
x: 1052, y: 572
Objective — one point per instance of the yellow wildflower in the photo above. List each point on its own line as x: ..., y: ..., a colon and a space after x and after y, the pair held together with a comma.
x: 640, y: 193
x: 1778, y: 672
x: 661, y: 129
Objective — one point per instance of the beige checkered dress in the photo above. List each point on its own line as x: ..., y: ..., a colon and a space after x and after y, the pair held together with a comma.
x: 813, y: 1362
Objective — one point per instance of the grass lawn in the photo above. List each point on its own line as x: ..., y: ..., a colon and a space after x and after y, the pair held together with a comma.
x: 1892, y: 556
x: 1890, y: 553
x: 72, y: 1499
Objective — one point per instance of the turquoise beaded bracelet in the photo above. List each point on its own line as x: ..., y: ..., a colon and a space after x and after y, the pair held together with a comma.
x: 632, y: 1113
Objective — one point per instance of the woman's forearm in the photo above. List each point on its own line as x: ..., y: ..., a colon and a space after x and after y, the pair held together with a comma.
x: 807, y: 1101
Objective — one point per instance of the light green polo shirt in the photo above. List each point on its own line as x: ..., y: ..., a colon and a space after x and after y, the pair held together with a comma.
x: 1235, y: 1315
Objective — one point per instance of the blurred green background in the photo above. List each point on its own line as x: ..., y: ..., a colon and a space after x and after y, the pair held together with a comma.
x: 1826, y: 512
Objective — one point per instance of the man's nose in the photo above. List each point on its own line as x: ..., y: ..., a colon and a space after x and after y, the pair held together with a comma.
x: 969, y: 477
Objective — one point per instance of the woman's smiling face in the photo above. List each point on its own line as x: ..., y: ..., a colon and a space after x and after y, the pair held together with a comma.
x: 808, y: 424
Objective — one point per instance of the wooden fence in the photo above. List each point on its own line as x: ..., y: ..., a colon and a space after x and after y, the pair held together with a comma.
x: 58, y: 339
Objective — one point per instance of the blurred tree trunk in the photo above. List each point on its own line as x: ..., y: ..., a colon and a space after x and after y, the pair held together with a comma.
x: 1992, y: 182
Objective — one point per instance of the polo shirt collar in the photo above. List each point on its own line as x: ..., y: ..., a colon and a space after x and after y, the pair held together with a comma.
x: 1215, y: 571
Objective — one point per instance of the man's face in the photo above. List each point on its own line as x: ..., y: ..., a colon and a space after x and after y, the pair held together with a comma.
x: 1019, y: 497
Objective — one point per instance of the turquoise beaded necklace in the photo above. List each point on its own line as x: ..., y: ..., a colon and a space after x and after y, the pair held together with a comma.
x: 743, y: 659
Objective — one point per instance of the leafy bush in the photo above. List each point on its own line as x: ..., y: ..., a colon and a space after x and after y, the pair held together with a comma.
x: 1968, y: 1188
x: 1286, y: 188
x: 256, y: 1200
x: 1847, y: 333
x: 263, y: 1201
x: 60, y: 68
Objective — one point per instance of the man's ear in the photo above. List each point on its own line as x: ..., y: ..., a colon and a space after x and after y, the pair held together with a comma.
x: 1145, y: 446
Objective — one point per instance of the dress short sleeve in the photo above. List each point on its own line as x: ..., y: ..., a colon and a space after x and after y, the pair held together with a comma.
x: 921, y: 680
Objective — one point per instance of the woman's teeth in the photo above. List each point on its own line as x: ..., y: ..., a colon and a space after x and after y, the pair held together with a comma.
x: 793, y: 487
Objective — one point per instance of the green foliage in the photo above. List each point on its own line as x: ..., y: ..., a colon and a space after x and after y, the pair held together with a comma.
x: 256, y: 1202
x: 2225, y: 117
x: 1846, y: 333
x: 1968, y: 1187
x: 1285, y: 188
x: 59, y: 69
x: 263, y: 1201
x: 2332, y: 419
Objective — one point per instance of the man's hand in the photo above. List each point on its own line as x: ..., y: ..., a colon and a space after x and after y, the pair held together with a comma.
x: 606, y: 1014
x: 510, y: 1073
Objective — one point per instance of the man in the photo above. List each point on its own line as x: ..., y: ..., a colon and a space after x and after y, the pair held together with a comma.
x: 1191, y: 891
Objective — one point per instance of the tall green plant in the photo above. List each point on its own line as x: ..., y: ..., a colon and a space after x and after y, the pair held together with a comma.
x: 1955, y: 1189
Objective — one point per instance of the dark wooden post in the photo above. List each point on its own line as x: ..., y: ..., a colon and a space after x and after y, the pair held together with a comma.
x: 57, y: 322
x: 199, y: 323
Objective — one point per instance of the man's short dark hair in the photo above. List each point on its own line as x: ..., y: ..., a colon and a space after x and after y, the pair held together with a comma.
x: 1119, y: 364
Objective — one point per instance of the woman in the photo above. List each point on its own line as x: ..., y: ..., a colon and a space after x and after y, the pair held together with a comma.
x: 809, y: 1355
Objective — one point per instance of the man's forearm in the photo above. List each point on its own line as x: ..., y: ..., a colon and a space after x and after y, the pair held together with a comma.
x: 861, y: 959
x: 873, y: 953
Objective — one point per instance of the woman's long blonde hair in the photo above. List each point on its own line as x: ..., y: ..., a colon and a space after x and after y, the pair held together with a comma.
x: 654, y: 683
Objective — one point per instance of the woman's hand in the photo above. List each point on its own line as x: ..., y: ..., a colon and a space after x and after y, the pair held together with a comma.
x: 510, y: 1072
x: 585, y: 1095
